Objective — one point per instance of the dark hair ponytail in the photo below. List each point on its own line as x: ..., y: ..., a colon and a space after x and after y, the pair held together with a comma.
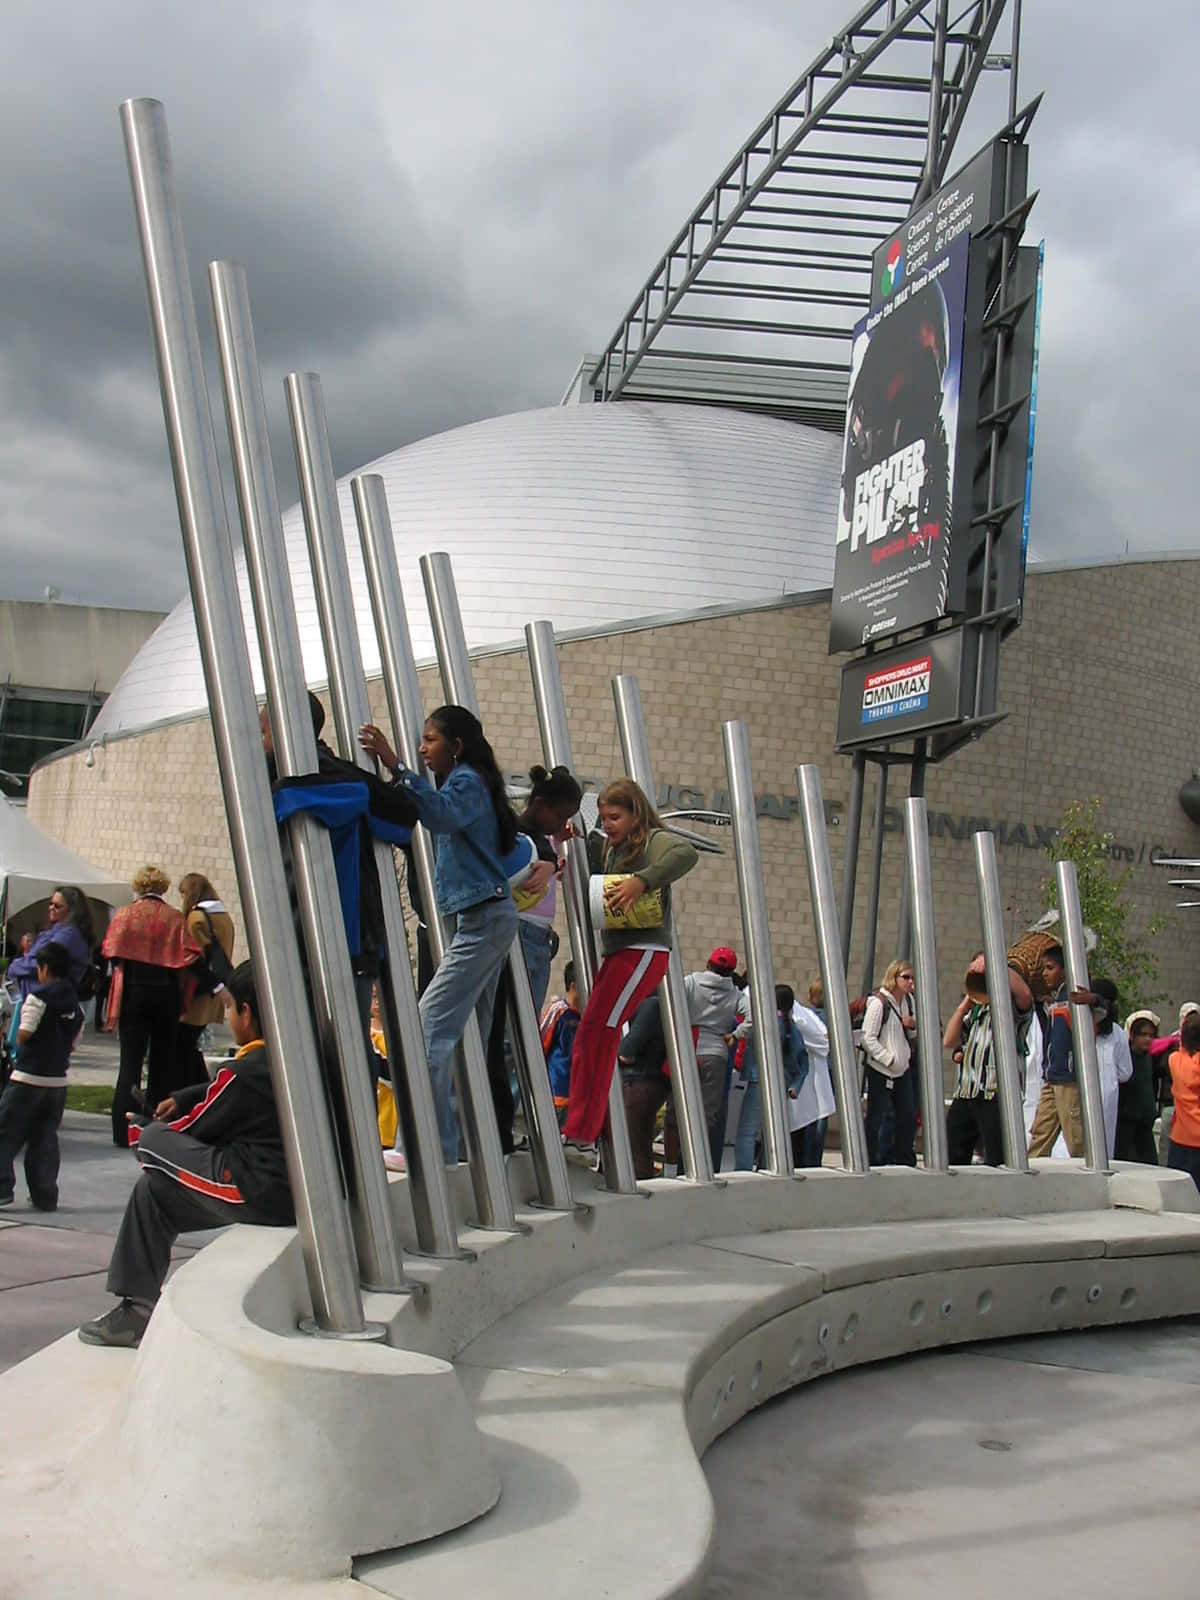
x: 462, y: 727
x: 559, y: 786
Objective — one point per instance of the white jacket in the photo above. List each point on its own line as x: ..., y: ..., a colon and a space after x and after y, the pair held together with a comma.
x: 884, y: 1041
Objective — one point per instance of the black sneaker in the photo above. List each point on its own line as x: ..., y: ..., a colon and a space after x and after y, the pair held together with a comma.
x: 121, y: 1328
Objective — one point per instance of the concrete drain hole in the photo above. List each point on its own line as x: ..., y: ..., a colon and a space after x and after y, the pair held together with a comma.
x: 823, y: 1333
x: 1128, y: 1298
x: 994, y: 1444
x: 797, y: 1355
x: 729, y: 1384
x: 1094, y: 1294
x: 756, y: 1377
x: 916, y: 1312
x: 1058, y: 1296
x: 984, y: 1304
x: 947, y: 1307
x: 851, y: 1327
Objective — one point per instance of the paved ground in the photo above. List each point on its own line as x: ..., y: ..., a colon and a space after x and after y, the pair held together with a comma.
x: 1038, y: 1466
x: 52, y: 1265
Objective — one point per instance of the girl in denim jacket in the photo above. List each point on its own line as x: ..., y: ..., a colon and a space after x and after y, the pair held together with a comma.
x: 465, y: 808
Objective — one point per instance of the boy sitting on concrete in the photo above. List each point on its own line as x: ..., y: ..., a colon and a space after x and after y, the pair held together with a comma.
x: 213, y: 1154
x: 31, y: 1107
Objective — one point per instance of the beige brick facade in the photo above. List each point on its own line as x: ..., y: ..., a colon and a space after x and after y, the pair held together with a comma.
x: 1100, y: 688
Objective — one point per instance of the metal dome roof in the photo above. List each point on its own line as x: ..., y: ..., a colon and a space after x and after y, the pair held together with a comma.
x: 589, y: 516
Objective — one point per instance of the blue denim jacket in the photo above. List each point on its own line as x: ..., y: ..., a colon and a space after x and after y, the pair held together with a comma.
x: 795, y: 1056
x: 461, y: 814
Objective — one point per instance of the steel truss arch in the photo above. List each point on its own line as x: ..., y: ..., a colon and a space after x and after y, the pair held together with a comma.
x: 791, y: 222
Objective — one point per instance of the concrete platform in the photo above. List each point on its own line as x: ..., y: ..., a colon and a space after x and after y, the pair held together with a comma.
x: 589, y: 1371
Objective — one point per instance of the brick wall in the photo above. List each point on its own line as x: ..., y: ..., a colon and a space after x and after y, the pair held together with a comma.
x: 1100, y: 689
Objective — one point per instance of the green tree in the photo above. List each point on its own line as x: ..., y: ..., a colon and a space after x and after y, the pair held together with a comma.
x: 1122, y: 953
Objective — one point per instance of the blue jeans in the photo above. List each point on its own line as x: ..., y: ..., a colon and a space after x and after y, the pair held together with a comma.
x: 748, y: 1128
x: 539, y: 942
x: 894, y: 1095
x: 464, y: 982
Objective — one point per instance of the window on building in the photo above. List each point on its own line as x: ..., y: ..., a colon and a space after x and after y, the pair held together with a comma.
x: 34, y: 723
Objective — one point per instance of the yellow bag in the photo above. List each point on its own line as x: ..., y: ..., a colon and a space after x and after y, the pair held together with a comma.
x: 644, y: 913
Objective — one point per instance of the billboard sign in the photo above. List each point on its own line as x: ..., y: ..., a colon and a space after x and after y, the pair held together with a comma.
x: 910, y: 444
x: 904, y: 692
x: 893, y: 565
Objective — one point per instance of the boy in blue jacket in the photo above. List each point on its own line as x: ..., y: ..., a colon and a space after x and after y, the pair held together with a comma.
x: 213, y: 1154
x: 31, y: 1107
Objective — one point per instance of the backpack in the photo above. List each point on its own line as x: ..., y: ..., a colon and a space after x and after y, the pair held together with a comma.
x: 213, y: 970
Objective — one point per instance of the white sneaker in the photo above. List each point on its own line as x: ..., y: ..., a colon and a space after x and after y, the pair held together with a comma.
x: 580, y: 1154
x: 394, y: 1161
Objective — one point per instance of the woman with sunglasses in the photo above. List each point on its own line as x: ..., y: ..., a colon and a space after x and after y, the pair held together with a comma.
x: 888, y: 1026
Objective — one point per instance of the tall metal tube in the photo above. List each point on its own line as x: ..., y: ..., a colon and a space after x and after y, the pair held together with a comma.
x: 314, y: 877
x: 854, y: 811
x: 556, y: 751
x: 929, y: 1026
x: 777, y: 1140
x: 403, y: 690
x: 458, y: 680
x: 321, y: 1217
x: 916, y: 786
x: 1000, y: 1011
x: 1083, y: 1031
x: 868, y: 981
x: 343, y: 663
x: 677, y: 1028
x: 846, y: 1072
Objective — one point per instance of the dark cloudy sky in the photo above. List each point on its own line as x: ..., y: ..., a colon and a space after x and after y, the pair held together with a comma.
x: 441, y: 208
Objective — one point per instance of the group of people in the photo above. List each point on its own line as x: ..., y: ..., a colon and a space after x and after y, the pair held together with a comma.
x: 1143, y: 1077
x: 162, y: 996
x: 233, y: 1164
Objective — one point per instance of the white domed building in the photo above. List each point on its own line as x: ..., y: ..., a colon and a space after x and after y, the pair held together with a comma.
x: 692, y: 547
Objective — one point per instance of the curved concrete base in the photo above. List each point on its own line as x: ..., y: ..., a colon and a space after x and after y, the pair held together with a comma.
x: 594, y: 1360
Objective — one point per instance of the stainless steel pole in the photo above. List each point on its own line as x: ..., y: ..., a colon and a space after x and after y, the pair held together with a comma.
x: 314, y: 877
x: 846, y: 1071
x: 854, y: 811
x: 868, y: 981
x: 556, y: 751
x: 1083, y: 1028
x: 321, y: 1217
x: 929, y: 1025
x: 458, y: 682
x: 777, y: 1139
x: 346, y: 1018
x: 403, y: 689
x: 677, y: 1028
x: 1000, y: 1011
x: 916, y: 787
x: 404, y: 704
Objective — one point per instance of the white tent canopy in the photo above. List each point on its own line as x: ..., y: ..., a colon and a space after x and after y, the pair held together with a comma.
x: 32, y: 865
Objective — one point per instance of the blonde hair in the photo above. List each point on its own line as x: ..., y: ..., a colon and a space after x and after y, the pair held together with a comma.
x: 816, y: 993
x: 150, y: 880
x: 895, y: 968
x: 631, y: 797
x: 194, y: 887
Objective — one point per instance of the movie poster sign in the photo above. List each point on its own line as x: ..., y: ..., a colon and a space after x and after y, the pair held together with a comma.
x: 893, y: 566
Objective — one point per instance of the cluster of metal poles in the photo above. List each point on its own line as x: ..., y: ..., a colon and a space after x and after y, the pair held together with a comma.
x: 309, y: 996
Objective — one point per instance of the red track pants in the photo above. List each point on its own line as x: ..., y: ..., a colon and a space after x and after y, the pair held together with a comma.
x: 624, y: 980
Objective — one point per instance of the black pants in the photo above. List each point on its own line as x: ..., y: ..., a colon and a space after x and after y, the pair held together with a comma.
x: 1184, y: 1158
x: 1135, y: 1142
x: 183, y: 1187
x: 30, y: 1116
x: 148, y: 1022
x: 189, y: 1065
x: 897, y: 1094
x: 971, y: 1122
x: 644, y: 1099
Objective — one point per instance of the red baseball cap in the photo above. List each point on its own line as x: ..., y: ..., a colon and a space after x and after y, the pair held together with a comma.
x: 724, y: 959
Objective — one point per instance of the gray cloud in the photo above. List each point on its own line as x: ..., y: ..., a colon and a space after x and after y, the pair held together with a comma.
x: 441, y: 212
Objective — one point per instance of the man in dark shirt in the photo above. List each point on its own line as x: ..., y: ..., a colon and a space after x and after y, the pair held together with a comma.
x: 213, y: 1154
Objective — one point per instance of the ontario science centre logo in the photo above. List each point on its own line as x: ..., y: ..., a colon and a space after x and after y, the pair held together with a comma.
x: 893, y: 269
